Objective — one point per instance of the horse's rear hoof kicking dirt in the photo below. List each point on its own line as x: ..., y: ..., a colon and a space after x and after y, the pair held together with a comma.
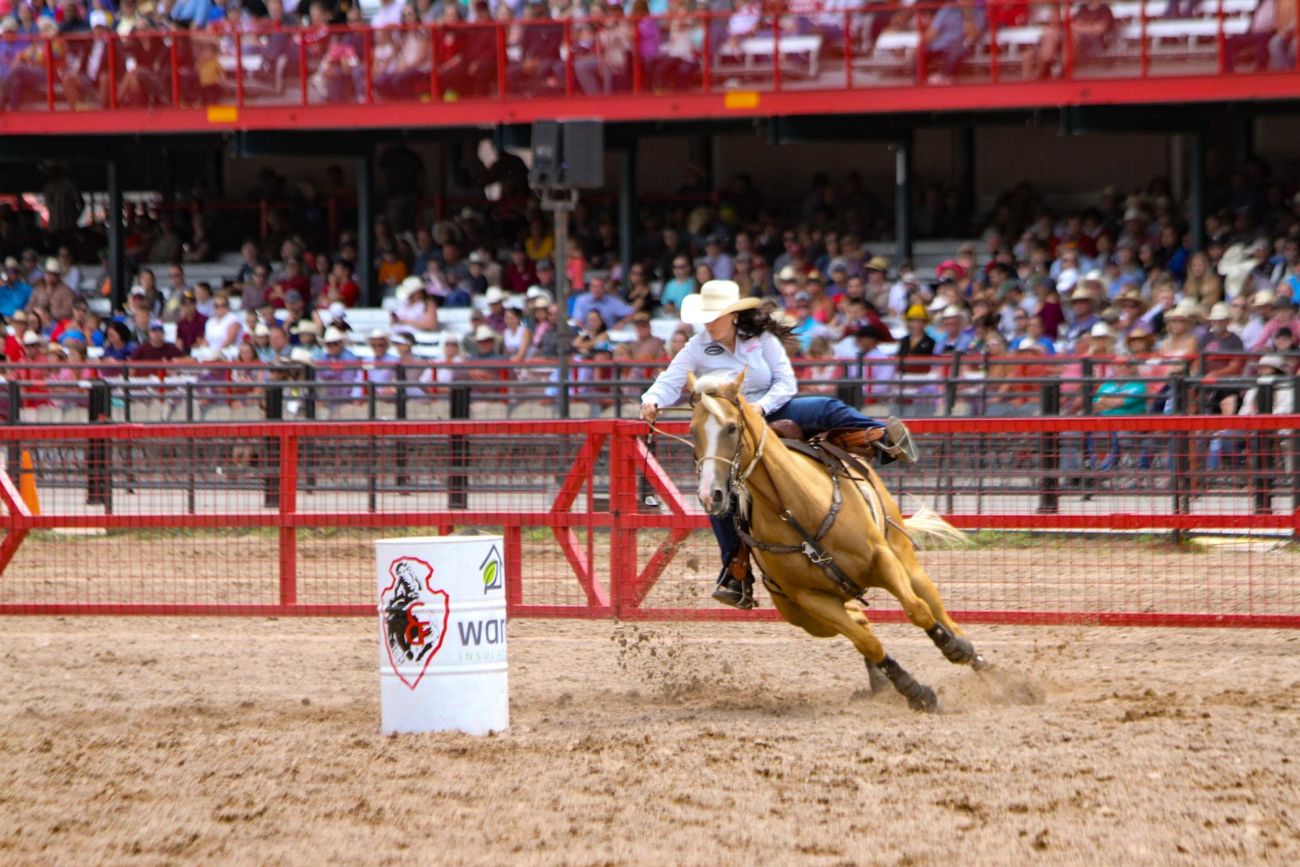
x: 823, y: 536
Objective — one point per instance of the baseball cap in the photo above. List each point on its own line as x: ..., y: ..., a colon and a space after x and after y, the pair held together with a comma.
x: 156, y: 325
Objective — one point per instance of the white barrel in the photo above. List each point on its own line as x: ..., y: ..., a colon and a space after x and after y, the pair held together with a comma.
x: 442, y: 634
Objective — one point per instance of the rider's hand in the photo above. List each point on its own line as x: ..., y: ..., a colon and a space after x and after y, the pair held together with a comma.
x: 649, y: 411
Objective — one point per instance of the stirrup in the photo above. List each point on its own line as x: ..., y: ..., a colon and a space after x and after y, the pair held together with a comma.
x: 900, y: 446
x: 737, y: 594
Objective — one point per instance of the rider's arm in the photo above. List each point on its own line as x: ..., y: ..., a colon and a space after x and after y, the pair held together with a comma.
x: 667, y: 387
x: 784, y: 386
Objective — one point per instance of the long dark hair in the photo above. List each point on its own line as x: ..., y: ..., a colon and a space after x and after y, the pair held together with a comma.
x: 757, y: 320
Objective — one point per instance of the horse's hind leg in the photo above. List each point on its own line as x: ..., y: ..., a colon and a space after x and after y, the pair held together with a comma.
x: 849, y: 619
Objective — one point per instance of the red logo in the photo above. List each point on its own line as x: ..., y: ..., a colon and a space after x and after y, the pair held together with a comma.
x: 415, y: 617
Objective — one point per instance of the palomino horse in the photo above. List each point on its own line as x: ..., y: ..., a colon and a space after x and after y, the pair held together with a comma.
x: 786, y: 496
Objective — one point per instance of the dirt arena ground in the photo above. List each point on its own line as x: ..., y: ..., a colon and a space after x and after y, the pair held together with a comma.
x: 257, y: 741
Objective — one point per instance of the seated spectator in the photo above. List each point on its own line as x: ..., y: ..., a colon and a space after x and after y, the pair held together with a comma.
x: 85, y: 78
x: 406, y: 74
x: 146, y: 59
x: 415, y: 310
x: 27, y: 74
x: 645, y: 346
x: 339, y: 367
x: 593, y: 331
x: 157, y: 348
x: 516, y: 336
x: 223, y: 328
x: 613, y: 310
x: 1281, y: 48
x: 539, y: 52
x: 1092, y: 27
x: 1271, y: 371
x: 676, y: 65
x: 952, y: 34
x: 816, y: 377
x: 955, y: 334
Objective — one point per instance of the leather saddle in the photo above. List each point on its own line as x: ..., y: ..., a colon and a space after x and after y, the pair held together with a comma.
x: 854, y: 441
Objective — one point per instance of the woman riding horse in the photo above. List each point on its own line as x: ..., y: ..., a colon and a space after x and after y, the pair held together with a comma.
x: 739, y: 337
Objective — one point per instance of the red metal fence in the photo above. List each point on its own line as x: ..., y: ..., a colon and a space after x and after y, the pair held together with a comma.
x: 1134, y: 520
x: 881, y: 55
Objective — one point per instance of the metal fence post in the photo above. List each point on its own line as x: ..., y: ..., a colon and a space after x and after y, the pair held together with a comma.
x: 1049, y: 453
x: 458, y: 481
x: 1265, y: 443
x: 270, y: 456
x: 1181, y: 457
x: 15, y: 393
x: 99, y: 471
x: 400, y: 481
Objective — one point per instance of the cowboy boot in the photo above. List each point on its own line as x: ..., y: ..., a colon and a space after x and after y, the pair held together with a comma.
x: 897, y: 441
x: 738, y: 593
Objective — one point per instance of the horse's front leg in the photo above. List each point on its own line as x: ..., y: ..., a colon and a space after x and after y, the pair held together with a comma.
x: 850, y: 620
x: 926, y: 609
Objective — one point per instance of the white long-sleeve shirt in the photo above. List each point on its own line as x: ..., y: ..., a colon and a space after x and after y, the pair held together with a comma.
x: 769, y: 382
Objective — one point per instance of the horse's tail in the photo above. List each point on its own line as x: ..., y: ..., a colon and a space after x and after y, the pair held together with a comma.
x: 929, y: 524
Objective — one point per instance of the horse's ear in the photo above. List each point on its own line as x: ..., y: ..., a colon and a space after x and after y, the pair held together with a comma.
x: 739, y: 382
x: 690, y: 381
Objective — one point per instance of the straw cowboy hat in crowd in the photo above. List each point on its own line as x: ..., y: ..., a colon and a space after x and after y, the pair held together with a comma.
x: 1185, y: 309
x: 715, y: 298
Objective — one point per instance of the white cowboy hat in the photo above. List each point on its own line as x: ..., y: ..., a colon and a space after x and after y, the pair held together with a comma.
x: 715, y: 298
x: 334, y: 335
x: 1219, y: 312
x: 483, y: 332
x: 301, y: 355
x: 1101, y: 329
x: 409, y: 287
x: 1272, y: 360
x: 496, y: 295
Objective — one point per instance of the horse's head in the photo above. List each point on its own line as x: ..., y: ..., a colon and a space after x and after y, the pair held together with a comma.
x: 717, y: 427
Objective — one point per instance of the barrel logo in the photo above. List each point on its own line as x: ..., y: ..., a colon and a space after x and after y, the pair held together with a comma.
x: 415, y: 618
x: 492, y: 571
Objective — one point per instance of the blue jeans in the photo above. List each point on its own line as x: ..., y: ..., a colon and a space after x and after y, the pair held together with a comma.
x: 814, y: 415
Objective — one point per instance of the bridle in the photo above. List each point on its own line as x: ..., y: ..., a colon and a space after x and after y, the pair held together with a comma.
x: 736, y: 476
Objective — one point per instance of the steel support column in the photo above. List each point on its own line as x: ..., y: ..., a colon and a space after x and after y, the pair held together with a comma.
x: 116, y: 241
x: 903, y: 196
x: 1196, y: 188
x: 627, y: 208
x: 963, y: 158
x: 366, y: 282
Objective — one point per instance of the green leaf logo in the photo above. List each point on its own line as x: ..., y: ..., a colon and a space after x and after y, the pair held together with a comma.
x: 490, y: 573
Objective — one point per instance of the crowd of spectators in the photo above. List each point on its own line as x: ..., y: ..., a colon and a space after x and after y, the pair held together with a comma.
x: 399, y: 54
x: 1114, y: 291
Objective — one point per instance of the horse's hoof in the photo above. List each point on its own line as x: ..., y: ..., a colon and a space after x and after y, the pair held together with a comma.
x: 979, y: 663
x: 924, y: 700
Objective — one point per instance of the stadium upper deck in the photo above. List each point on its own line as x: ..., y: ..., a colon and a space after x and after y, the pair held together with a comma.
x: 800, y: 57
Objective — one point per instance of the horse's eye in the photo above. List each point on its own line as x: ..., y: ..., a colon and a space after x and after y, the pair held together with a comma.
x: 731, y: 428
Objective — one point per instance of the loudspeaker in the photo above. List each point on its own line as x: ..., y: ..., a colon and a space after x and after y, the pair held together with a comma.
x: 584, y: 155
x: 546, y: 170
x: 568, y: 155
